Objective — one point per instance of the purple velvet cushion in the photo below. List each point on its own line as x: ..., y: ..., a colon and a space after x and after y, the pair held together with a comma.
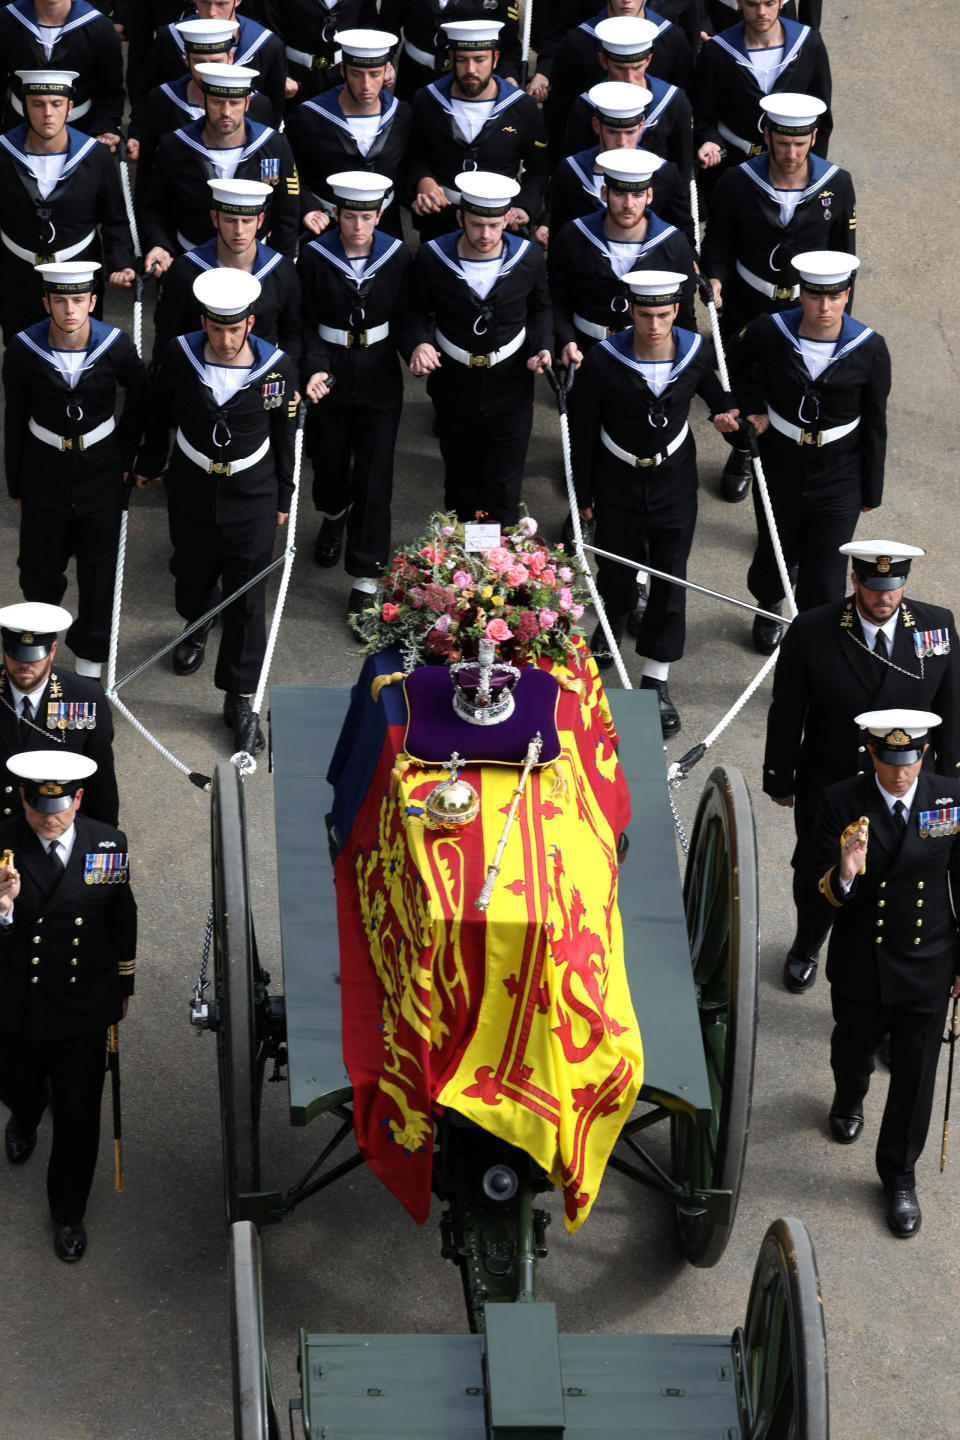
x: 434, y: 730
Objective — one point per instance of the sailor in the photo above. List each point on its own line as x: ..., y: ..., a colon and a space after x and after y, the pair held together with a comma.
x: 355, y: 297
x: 425, y: 54
x: 224, y: 145
x: 721, y: 14
x: 874, y: 650
x: 760, y: 55
x: 589, y: 257
x: 814, y: 383
x: 618, y: 123
x: 885, y: 865
x: 238, y: 213
x: 66, y: 458
x: 42, y: 707
x: 233, y: 400
x: 56, y: 188
x: 483, y: 324
x: 626, y: 52
x: 254, y: 46
x: 65, y: 35
x: 178, y: 102
x: 764, y: 212
x: 473, y: 120
x: 68, y: 936
x: 311, y: 38
x: 635, y: 464
x: 357, y: 125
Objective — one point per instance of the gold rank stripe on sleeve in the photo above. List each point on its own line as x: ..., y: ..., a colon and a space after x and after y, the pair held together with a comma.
x: 826, y: 889
x: 293, y: 182
x: 291, y: 409
x: 853, y: 219
x: 125, y: 968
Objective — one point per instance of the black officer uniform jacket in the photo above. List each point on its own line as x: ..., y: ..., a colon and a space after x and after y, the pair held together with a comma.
x: 307, y: 28
x: 585, y: 283
x: 519, y: 299
x: 575, y: 191
x: 182, y: 397
x: 514, y: 136
x: 67, y: 959
x: 894, y: 939
x: 176, y: 207
x: 726, y: 92
x: 767, y: 372
x: 613, y: 393
x: 323, y: 144
x: 167, y: 108
x: 420, y: 22
x: 100, y: 799
x: 87, y: 44
x: 87, y: 195
x: 745, y: 226
x: 255, y: 47
x: 333, y: 296
x: 825, y: 676
x: 71, y: 480
x: 277, y: 310
x: 667, y: 128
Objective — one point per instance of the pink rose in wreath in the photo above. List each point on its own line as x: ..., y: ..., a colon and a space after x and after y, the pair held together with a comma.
x: 498, y: 630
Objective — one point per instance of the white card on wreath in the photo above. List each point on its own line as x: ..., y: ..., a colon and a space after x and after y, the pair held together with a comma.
x: 477, y: 538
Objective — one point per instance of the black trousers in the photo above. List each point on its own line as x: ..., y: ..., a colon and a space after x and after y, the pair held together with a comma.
x: 74, y: 1070
x: 352, y: 448
x: 48, y: 538
x: 483, y: 459
x: 205, y: 555
x: 915, y: 1031
x: 811, y: 530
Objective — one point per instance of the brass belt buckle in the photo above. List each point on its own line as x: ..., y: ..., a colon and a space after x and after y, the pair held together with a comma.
x: 219, y: 467
x: 319, y: 62
x: 811, y: 437
x: 362, y: 339
x: 65, y: 443
x: 643, y: 461
x: 783, y: 292
x: 757, y: 150
x: 479, y: 362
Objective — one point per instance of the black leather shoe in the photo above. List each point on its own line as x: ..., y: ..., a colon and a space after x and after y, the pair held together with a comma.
x: 69, y: 1241
x: 19, y: 1147
x: 329, y: 542
x: 846, y: 1121
x: 237, y: 716
x: 189, y: 654
x: 358, y: 600
x: 799, y: 972
x: 588, y: 529
x: 766, y: 633
x: 669, y: 715
x: 598, y: 641
x: 903, y: 1213
x: 637, y: 613
x: 736, y: 477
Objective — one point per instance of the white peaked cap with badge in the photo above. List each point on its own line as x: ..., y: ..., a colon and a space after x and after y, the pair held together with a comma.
x: 51, y: 777
x: 365, y: 44
x: 876, y: 549
x: 226, y: 293
x: 473, y: 34
x: 792, y: 110
x: 826, y: 268
x: 626, y: 35
x: 619, y: 102
x: 32, y: 618
x: 901, y: 733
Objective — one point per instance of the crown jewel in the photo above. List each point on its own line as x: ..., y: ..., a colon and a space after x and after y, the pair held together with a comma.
x: 483, y: 688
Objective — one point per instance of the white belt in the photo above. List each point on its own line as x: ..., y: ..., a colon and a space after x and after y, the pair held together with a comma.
x: 311, y: 62
x: 65, y: 442
x: 596, y: 332
x: 452, y: 195
x: 221, y: 467
x: 422, y: 57
x: 483, y: 362
x: 186, y: 243
x: 744, y: 145
x: 77, y: 113
x: 363, y: 338
x: 810, y: 437
x: 56, y: 257
x: 642, y: 461
x: 772, y: 292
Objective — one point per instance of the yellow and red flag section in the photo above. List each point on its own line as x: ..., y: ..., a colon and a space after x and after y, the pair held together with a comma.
x: 519, y: 1017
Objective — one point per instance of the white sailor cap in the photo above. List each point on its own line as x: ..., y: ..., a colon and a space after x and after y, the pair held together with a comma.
x: 654, y: 287
x: 207, y: 37
x: 825, y: 272
x: 482, y: 192
x: 29, y: 628
x: 51, y: 778
x: 473, y: 34
x: 628, y: 169
x: 68, y: 277
x: 226, y: 80
x: 47, y: 82
x: 239, y: 197
x: 789, y: 113
x: 370, y: 48
x: 881, y: 564
x: 626, y: 38
x: 359, y: 189
x: 897, y: 737
x: 226, y: 294
x: 619, y: 105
